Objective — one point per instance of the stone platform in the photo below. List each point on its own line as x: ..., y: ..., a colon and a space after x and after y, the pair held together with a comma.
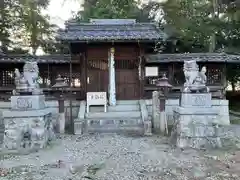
x: 28, y: 124
x: 195, y: 122
x: 27, y: 129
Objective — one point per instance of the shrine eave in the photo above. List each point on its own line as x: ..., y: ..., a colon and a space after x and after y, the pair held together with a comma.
x: 83, y: 32
x: 199, y: 57
x: 59, y: 58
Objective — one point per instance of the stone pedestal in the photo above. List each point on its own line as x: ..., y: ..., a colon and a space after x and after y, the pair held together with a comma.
x: 28, y: 124
x: 194, y: 122
x: 32, y: 102
x: 27, y: 129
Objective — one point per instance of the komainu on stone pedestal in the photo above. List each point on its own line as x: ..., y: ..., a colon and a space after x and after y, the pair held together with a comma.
x: 195, y: 117
x: 195, y: 80
x: 28, y: 124
x: 27, y: 81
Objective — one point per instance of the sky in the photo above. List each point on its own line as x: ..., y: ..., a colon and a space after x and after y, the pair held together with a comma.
x: 60, y: 10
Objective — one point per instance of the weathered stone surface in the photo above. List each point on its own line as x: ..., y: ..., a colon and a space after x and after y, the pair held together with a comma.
x: 147, y: 128
x: 156, y: 111
x: 194, y: 124
x: 28, y: 132
x: 196, y: 100
x: 33, y: 102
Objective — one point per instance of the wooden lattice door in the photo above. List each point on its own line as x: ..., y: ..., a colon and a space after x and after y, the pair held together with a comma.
x: 97, y: 75
x: 127, y: 80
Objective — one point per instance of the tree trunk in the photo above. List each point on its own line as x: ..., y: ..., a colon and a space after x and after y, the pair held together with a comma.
x: 34, y: 51
x: 233, y: 86
x: 215, y: 15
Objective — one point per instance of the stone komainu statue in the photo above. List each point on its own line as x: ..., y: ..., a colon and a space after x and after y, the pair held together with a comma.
x: 195, y: 80
x: 27, y: 81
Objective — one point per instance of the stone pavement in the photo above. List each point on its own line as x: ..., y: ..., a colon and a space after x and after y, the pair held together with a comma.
x: 113, y: 157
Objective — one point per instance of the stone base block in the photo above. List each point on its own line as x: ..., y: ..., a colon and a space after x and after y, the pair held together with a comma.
x: 33, y: 102
x: 198, y: 142
x: 195, y: 127
x: 196, y: 130
x: 147, y: 128
x: 196, y: 100
x: 27, y: 130
x: 78, y: 127
x: 61, y: 123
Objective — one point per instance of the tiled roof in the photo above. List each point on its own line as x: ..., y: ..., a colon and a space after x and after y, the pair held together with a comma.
x: 200, y: 57
x: 59, y: 58
x: 111, y: 31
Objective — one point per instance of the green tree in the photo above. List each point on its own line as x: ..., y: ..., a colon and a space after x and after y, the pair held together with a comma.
x: 23, y: 17
x: 6, y: 23
x: 113, y: 9
x: 34, y: 27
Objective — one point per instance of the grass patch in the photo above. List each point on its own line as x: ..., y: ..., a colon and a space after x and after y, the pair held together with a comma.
x: 234, y: 107
x: 235, y: 121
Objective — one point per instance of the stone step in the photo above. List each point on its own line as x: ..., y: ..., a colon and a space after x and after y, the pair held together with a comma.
x: 117, y: 108
x: 136, y: 130
x: 115, y: 122
x: 2, y: 129
x: 117, y: 125
x: 113, y: 115
x: 127, y: 102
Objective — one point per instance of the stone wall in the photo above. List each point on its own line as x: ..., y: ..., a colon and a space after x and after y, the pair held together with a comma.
x: 53, y: 105
x: 220, y: 105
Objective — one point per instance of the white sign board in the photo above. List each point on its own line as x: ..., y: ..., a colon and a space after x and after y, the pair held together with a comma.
x: 97, y: 98
x: 151, y: 71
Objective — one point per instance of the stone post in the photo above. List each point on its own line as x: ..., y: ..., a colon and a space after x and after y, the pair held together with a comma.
x: 60, y: 85
x: 162, y: 120
x: 155, y: 110
x: 163, y: 86
x: 61, y: 118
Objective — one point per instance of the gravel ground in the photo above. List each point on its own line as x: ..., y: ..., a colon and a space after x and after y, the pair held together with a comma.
x: 113, y: 157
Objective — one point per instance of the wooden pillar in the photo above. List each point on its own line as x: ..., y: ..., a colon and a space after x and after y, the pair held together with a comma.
x: 141, y: 69
x: 141, y: 76
x: 224, y: 80
x: 170, y: 73
x: 83, y: 69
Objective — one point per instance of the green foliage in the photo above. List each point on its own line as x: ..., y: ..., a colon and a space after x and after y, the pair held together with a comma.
x: 113, y: 9
x: 202, y: 26
x: 23, y: 17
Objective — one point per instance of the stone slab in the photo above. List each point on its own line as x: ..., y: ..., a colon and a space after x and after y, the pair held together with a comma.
x: 199, y: 100
x: 195, y: 111
x: 197, y: 131
x: 198, y: 143
x: 33, y: 102
x: 28, y: 132
x: 33, y: 113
